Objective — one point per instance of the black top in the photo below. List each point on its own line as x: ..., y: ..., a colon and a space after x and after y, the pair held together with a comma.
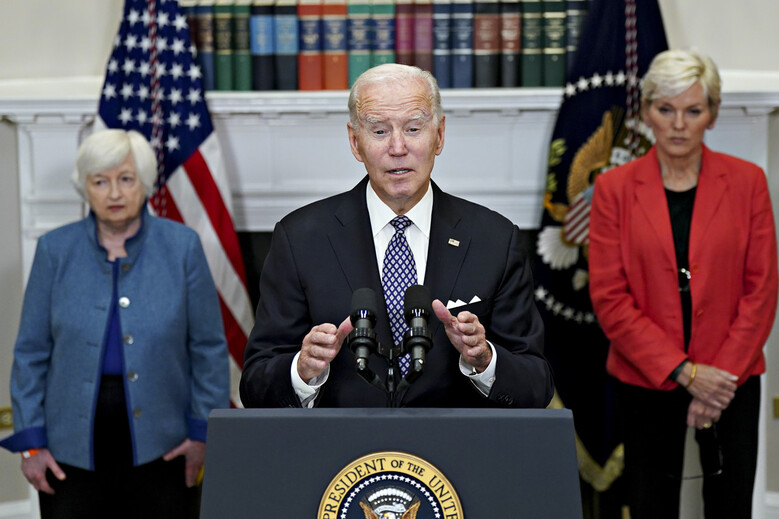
x: 680, y: 204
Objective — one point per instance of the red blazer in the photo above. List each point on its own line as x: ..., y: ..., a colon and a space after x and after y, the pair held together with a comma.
x: 633, y: 273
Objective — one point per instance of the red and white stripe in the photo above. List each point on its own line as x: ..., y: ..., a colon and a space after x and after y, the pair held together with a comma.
x: 576, y: 227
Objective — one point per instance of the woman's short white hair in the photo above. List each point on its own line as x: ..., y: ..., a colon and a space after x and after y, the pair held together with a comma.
x: 393, y: 72
x: 107, y: 149
x: 674, y: 71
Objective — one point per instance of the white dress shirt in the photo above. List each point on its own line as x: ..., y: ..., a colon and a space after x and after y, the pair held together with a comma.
x: 418, y: 237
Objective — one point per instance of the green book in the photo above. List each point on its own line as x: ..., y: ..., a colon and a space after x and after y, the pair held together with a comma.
x: 358, y: 22
x: 223, y: 44
x: 383, y: 40
x: 554, y: 42
x: 532, y: 65
x: 242, y: 52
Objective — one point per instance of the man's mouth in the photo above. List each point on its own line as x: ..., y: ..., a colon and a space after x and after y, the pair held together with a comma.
x: 398, y: 171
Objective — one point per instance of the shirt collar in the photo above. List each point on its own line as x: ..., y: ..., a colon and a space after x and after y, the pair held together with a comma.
x: 381, y: 215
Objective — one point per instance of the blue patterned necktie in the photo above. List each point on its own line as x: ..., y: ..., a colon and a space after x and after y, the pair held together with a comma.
x: 398, y: 273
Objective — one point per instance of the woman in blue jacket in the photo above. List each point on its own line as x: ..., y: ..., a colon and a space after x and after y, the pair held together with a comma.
x: 121, y: 353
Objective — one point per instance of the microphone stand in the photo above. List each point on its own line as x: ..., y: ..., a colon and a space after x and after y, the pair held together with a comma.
x: 392, y: 354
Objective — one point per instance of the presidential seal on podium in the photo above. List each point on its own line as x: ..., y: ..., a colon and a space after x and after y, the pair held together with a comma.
x: 390, y: 485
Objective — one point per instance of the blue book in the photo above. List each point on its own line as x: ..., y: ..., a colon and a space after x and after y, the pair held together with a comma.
x: 285, y: 18
x: 462, y: 44
x: 263, y: 45
x: 442, y: 42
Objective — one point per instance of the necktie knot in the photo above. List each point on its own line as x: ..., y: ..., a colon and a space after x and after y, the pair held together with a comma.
x: 400, y: 223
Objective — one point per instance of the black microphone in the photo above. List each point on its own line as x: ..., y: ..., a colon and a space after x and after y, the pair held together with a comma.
x: 362, y: 340
x: 417, y: 308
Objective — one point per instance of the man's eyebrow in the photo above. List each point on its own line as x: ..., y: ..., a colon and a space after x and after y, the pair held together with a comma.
x: 421, y: 116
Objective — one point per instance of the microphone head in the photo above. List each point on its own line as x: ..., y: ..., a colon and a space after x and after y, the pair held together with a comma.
x: 363, y: 302
x: 417, y: 298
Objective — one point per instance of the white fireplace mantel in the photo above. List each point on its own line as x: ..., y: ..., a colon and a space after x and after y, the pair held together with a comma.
x: 283, y: 149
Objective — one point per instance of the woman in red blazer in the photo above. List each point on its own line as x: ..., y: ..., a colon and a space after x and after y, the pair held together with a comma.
x: 683, y: 279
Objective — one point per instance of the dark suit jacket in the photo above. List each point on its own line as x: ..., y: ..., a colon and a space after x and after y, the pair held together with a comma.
x: 321, y: 253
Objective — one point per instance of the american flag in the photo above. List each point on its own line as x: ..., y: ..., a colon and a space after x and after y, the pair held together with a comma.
x: 154, y: 85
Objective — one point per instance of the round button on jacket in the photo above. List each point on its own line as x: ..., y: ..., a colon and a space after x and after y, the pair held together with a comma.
x: 124, y: 302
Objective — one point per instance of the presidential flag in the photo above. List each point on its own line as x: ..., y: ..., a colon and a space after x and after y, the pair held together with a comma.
x: 154, y: 85
x: 598, y: 127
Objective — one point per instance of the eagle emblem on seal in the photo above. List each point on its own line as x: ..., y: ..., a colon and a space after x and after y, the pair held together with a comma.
x: 390, y: 503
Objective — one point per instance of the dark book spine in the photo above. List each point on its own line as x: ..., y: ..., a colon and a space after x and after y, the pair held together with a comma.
x: 285, y: 21
x: 462, y: 44
x: 383, y: 33
x: 223, y: 44
x: 189, y: 8
x: 404, y: 32
x: 204, y: 13
x: 262, y: 45
x: 242, y: 54
x: 510, y: 42
x: 486, y: 43
x: 554, y: 42
x: 575, y: 11
x: 442, y: 42
x: 423, y: 34
x: 532, y: 65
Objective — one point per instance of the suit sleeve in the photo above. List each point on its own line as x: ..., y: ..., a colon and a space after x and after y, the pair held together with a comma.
x: 757, y: 306
x: 32, y: 356
x: 210, y: 383
x: 523, y: 377
x: 281, y: 324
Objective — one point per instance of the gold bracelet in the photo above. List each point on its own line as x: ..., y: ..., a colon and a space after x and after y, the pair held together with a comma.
x: 692, y: 375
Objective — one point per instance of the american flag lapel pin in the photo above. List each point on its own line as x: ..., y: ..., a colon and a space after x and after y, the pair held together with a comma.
x: 454, y: 243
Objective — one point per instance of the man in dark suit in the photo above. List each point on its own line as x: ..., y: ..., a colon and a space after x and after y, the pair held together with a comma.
x: 487, y: 354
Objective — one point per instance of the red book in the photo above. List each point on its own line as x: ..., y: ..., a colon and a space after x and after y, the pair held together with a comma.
x: 310, y: 63
x: 404, y: 32
x: 423, y: 34
x: 336, y: 59
x: 486, y: 43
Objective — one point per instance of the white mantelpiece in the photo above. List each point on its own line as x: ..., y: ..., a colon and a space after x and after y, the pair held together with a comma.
x: 283, y: 150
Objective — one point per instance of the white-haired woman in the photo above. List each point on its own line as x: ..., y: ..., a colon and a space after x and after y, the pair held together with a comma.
x: 683, y: 279
x: 120, y: 354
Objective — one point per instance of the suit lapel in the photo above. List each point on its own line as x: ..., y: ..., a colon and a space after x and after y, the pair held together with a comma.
x: 650, y: 196
x: 353, y: 246
x: 448, y: 246
x: 711, y: 188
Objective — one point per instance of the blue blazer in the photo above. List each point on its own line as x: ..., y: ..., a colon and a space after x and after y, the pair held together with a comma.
x: 175, y: 355
x: 321, y: 253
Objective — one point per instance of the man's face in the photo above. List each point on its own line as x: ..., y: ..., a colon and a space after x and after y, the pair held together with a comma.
x: 397, y: 141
